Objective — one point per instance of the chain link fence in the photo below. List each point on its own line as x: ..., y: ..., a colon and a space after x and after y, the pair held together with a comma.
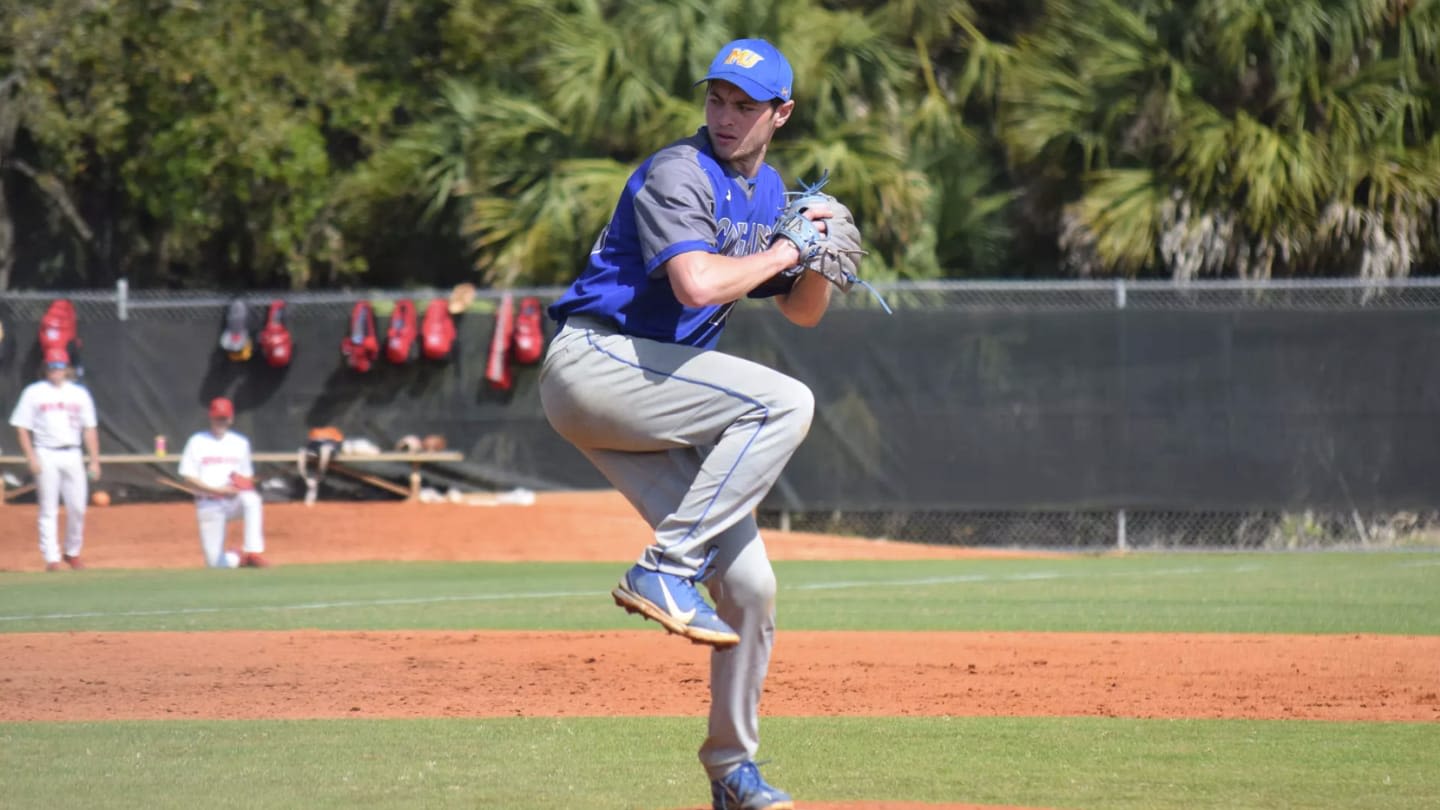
x: 121, y: 304
x: 1050, y: 296
x: 1127, y: 529
x: 1083, y: 530
x: 1016, y: 296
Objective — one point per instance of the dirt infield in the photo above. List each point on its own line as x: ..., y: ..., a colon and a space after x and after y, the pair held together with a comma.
x: 563, y: 526
x: 291, y: 674
x: 109, y: 676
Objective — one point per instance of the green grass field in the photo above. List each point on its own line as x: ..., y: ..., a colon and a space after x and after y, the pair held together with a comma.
x: 643, y: 763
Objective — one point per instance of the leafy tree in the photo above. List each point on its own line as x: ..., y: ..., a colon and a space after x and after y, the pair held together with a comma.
x: 257, y: 143
x: 528, y: 167
x: 202, y: 135
x: 1255, y: 138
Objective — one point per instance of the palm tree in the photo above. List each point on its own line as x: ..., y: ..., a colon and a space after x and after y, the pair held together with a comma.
x: 951, y: 136
x: 1246, y: 138
x: 529, y: 170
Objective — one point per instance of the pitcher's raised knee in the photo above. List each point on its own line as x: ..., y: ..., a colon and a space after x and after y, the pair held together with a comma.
x: 793, y: 408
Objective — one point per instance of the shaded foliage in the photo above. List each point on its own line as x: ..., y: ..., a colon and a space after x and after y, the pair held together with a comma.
x: 256, y: 143
x: 1280, y: 137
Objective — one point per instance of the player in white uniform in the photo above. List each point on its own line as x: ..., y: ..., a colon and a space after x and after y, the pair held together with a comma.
x: 216, y: 463
x: 52, y: 418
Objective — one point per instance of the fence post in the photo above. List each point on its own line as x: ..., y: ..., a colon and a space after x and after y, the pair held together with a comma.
x: 122, y: 298
x: 1121, y: 541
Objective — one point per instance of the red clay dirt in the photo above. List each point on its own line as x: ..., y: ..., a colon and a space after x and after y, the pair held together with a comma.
x: 294, y: 674
x: 642, y: 672
x: 560, y: 526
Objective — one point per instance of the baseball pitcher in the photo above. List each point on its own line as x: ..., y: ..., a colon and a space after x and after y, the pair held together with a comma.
x: 692, y: 436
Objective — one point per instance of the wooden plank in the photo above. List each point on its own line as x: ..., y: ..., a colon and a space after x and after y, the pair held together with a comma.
x: 420, y: 457
x: 372, y: 480
x: 338, y: 464
x: 180, y: 485
x: 15, y: 492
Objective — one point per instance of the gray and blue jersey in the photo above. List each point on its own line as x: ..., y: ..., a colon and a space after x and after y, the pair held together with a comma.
x: 679, y: 200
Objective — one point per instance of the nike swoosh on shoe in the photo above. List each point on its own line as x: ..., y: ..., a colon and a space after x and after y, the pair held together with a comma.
x: 672, y: 608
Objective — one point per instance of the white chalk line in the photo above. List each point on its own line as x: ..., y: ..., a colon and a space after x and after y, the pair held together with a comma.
x: 516, y: 596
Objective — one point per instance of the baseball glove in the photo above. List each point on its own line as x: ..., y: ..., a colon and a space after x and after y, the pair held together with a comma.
x: 834, y: 254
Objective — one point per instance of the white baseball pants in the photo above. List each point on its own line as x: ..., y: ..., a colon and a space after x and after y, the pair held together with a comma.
x: 62, y: 477
x: 214, y: 516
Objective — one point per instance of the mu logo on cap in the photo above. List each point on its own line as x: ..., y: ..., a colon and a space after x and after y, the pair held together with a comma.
x: 744, y: 57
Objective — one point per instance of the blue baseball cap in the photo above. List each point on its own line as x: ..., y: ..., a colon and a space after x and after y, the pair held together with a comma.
x: 755, y: 66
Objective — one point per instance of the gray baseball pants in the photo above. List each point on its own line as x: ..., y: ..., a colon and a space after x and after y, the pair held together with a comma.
x: 694, y: 439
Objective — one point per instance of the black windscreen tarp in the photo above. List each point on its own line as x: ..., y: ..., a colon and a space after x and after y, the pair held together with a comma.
x: 923, y: 410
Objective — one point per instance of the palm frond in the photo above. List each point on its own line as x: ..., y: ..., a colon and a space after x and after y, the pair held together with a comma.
x: 986, y: 61
x: 1278, y: 178
x: 845, y: 69
x: 540, y: 233
x: 1120, y: 214
x: 868, y: 164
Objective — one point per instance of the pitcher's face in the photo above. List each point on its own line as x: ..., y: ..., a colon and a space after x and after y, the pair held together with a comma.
x: 741, y: 127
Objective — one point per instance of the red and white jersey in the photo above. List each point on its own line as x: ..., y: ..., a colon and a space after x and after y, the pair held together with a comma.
x: 211, y: 460
x: 55, y: 415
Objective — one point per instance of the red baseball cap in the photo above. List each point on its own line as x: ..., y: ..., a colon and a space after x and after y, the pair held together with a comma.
x: 222, y: 408
x: 56, y: 357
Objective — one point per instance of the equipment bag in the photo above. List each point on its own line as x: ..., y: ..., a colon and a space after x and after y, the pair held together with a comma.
x: 58, y: 330
x: 275, y: 341
x: 529, y: 342
x: 360, y: 346
x: 57, y: 325
x: 235, y: 337
x: 400, y: 335
x: 438, y: 330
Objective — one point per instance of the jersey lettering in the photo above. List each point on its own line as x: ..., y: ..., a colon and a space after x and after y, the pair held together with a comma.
x: 742, y: 238
x: 204, y: 460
